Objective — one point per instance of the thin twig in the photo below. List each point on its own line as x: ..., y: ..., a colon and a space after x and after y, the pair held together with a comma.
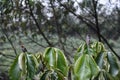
x: 36, y: 42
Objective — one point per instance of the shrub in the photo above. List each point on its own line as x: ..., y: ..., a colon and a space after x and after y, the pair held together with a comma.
x: 91, y: 62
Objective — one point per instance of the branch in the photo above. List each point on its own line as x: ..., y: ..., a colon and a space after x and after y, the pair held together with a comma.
x: 83, y: 19
x: 96, y: 19
x: 59, y: 29
x: 90, y: 25
x: 4, y: 32
x: 40, y: 30
x: 77, y: 32
x: 105, y: 40
x: 56, y: 22
x: 36, y: 42
x: 90, y: 11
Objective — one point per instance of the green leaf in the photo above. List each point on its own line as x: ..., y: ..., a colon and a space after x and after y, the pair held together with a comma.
x: 56, y: 59
x: 98, y: 47
x: 100, y: 60
x: 97, y: 77
x: 21, y: 62
x: 15, y: 72
x: 107, y: 76
x: 44, y: 76
x: 82, y: 68
x: 62, y: 62
x: 60, y: 75
x: 35, y: 61
x: 50, y: 57
x: 31, y: 66
x: 80, y: 51
x: 114, y: 68
x: 93, y: 66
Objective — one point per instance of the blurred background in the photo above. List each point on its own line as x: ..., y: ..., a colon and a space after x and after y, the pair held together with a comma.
x: 64, y: 24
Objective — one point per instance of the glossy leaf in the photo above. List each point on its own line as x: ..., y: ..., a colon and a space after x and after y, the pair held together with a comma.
x: 62, y: 62
x: 98, y: 47
x: 93, y: 66
x: 114, y: 68
x: 21, y: 62
x: 30, y: 66
x: 35, y: 61
x: 44, y: 76
x: 85, y: 67
x: 60, y: 75
x: 50, y: 57
x: 56, y: 59
x: 80, y: 51
x: 82, y: 69
x: 100, y: 60
x: 15, y: 72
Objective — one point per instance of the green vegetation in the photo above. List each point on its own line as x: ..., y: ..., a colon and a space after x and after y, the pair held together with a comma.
x: 92, y: 61
x: 34, y: 32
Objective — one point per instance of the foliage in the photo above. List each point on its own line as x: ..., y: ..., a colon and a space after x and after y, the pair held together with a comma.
x: 91, y: 61
x: 62, y: 24
x: 23, y: 66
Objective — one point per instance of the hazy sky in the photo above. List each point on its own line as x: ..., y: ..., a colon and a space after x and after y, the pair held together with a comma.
x: 106, y: 1
x: 107, y: 5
